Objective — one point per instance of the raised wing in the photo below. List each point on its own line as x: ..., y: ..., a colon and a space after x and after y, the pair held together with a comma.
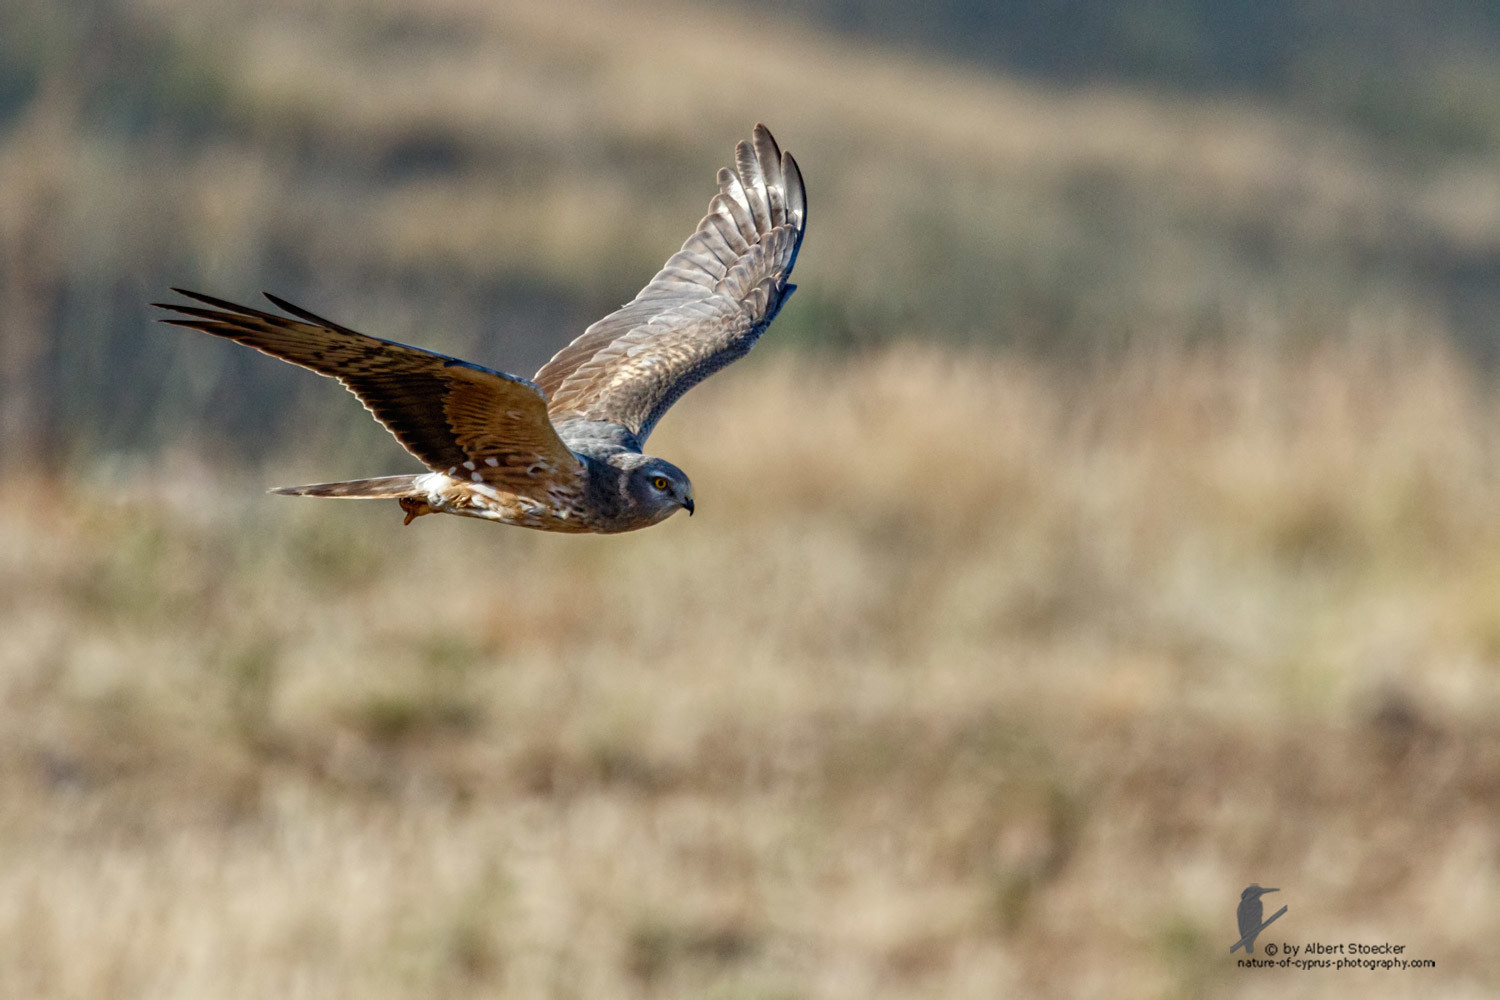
x: 703, y: 310
x: 456, y: 417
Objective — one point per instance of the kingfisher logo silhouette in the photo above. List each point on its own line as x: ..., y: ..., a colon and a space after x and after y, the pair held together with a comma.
x: 1249, y: 917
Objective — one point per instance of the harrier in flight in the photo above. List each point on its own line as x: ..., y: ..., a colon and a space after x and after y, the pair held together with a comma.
x: 561, y: 452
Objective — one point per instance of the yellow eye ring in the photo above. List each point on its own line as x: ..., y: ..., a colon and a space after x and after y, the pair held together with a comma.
x: 660, y: 482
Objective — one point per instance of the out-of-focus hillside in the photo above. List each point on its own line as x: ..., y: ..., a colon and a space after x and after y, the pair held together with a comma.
x: 970, y: 678
x: 1420, y: 77
x: 488, y: 177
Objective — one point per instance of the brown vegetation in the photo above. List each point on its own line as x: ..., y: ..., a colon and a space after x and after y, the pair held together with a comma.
x: 972, y: 677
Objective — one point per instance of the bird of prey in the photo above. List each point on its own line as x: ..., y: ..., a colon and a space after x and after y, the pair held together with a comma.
x: 562, y: 451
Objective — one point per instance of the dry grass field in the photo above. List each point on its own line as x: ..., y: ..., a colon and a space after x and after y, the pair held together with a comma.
x: 974, y: 676
x: 1111, y: 520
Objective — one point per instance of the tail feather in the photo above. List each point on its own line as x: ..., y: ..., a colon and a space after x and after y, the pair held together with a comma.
x: 382, y: 488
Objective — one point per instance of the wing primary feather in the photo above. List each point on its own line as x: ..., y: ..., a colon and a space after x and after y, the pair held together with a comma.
x: 754, y: 184
x: 197, y: 324
x: 740, y: 220
x: 307, y: 314
x: 197, y: 311
x: 227, y: 306
x: 796, y: 193
x: 769, y: 156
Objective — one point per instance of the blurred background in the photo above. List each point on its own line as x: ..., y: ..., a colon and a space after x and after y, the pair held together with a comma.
x: 1109, y: 521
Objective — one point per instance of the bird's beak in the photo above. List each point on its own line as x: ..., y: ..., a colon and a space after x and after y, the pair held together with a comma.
x: 1270, y: 890
x: 688, y: 506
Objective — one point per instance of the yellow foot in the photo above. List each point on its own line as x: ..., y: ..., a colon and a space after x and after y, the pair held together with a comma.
x: 415, y: 507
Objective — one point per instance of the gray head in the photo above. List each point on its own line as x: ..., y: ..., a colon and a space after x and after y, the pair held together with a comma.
x: 653, y: 488
x: 1255, y: 892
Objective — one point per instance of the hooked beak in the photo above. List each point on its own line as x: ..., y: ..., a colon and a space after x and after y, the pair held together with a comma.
x: 688, y: 506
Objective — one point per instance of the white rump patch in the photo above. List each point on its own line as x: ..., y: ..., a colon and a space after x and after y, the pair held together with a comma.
x: 432, y: 484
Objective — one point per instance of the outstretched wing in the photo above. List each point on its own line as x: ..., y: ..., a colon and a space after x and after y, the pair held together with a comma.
x: 703, y: 310
x: 458, y: 418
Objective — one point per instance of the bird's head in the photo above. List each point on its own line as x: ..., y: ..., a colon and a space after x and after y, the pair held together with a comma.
x: 1255, y: 892
x: 656, y: 488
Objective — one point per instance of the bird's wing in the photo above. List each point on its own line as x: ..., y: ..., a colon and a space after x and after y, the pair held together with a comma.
x: 458, y: 418
x: 1248, y: 917
x: 703, y: 310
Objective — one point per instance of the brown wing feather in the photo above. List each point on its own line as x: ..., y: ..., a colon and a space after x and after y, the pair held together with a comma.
x: 456, y: 417
x: 703, y: 310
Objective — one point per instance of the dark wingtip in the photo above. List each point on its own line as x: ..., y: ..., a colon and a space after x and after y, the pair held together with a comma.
x: 169, y: 306
x: 197, y: 296
x: 224, y: 305
x: 307, y: 315
x: 285, y: 306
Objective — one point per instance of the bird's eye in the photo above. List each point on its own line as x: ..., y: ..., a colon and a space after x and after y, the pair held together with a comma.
x: 660, y: 482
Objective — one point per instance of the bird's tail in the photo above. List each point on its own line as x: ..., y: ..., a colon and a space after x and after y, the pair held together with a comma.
x: 382, y: 488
